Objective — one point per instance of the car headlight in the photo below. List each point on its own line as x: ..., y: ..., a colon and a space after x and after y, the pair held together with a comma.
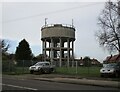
x: 29, y: 68
x: 111, y: 70
x: 101, y: 70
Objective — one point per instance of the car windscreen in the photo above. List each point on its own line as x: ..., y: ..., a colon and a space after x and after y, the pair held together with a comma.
x: 110, y: 66
x: 38, y: 64
x: 47, y: 64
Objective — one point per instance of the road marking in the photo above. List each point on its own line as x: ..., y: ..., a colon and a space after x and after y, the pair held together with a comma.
x: 19, y: 87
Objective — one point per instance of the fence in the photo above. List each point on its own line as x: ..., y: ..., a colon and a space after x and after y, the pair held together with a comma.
x: 19, y: 67
x: 22, y: 67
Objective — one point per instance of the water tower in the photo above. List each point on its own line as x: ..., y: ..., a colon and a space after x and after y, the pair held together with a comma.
x: 58, y: 43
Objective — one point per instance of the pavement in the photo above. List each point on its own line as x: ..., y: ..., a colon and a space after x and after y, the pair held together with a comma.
x: 83, y: 81
x: 69, y: 79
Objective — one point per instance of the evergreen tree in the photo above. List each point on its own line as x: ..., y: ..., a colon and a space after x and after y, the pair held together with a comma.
x: 23, y: 51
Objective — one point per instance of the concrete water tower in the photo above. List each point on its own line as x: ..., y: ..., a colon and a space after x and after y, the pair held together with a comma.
x: 58, y: 43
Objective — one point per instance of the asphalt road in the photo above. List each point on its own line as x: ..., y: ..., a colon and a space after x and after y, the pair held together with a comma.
x: 29, y: 84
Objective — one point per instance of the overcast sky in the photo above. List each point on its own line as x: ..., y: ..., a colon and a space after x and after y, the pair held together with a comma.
x: 25, y: 19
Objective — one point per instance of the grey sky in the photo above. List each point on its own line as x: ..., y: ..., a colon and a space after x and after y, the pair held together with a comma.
x: 24, y: 20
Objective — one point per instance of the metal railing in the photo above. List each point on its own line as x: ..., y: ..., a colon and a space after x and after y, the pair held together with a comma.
x: 22, y: 67
x: 62, y: 25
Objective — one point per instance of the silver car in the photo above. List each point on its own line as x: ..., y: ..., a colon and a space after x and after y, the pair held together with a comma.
x: 112, y: 69
x: 42, y: 67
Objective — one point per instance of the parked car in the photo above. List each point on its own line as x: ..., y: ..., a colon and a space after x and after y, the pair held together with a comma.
x: 112, y: 70
x: 42, y: 67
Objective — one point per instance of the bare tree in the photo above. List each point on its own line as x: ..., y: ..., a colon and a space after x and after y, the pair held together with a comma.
x: 3, y: 46
x: 109, y: 23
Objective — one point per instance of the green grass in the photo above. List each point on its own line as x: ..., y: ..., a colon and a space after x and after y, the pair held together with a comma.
x: 17, y: 71
x: 23, y: 70
x: 81, y: 71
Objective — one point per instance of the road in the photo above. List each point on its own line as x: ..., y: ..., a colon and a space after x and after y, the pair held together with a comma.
x: 30, y: 84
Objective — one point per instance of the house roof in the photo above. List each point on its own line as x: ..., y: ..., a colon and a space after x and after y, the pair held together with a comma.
x: 115, y: 58
x: 95, y: 61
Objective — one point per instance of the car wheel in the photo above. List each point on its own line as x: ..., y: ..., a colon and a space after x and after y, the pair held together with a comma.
x: 40, y: 71
x: 50, y: 71
x: 116, y: 75
x: 101, y: 75
x: 31, y: 72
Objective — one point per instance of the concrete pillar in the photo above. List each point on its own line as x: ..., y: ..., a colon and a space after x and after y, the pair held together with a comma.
x: 52, y: 50
x: 72, y: 53
x: 60, y: 40
x: 45, y: 50
x: 43, y: 44
x: 43, y: 47
x: 55, y: 52
x: 49, y: 50
x: 68, y: 51
x: 62, y: 45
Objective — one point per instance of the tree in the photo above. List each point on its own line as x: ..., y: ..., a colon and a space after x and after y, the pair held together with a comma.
x: 4, y: 46
x: 40, y: 57
x: 23, y: 51
x: 87, y: 61
x: 109, y: 23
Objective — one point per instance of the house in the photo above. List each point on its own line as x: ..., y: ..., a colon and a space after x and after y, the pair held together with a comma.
x: 93, y: 61
x: 112, y: 59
